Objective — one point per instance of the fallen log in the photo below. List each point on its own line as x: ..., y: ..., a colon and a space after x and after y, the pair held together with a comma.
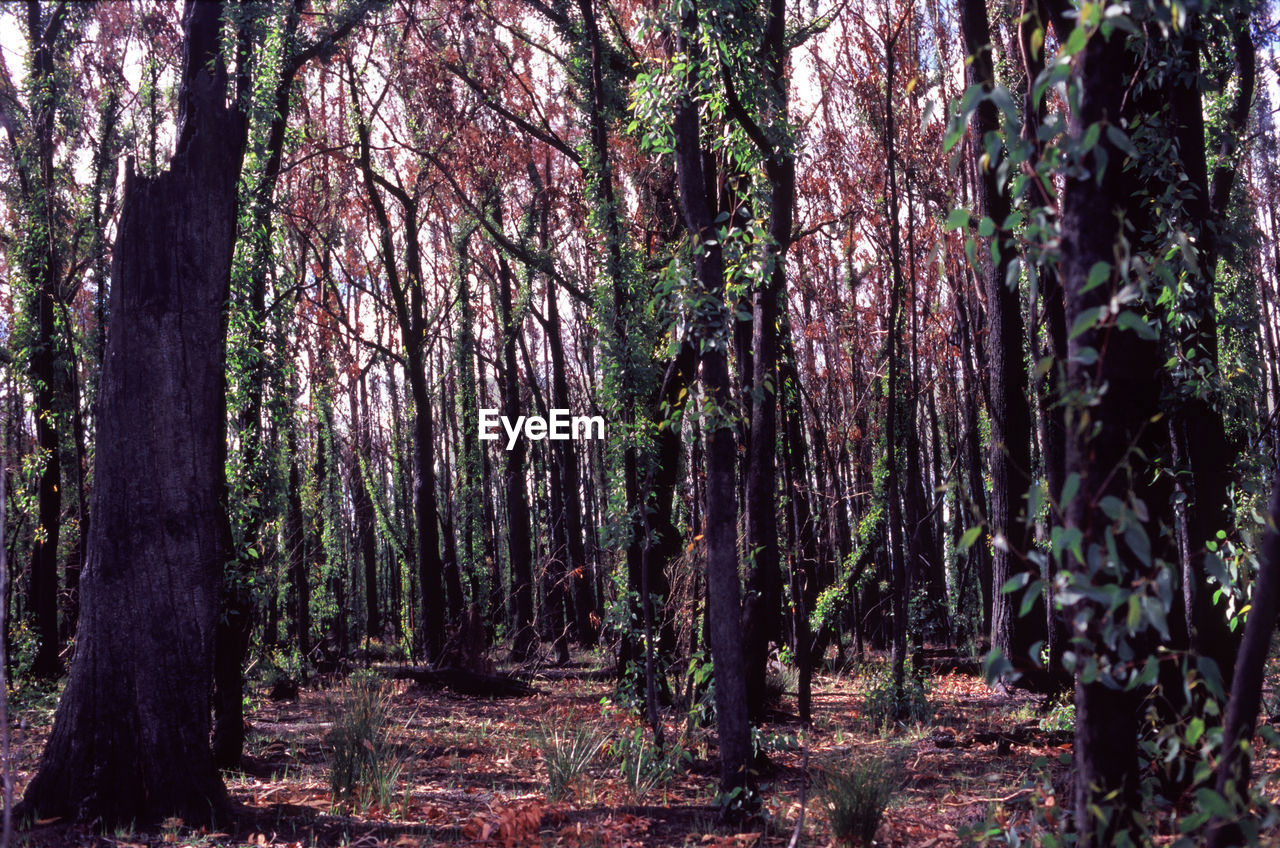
x: 465, y: 682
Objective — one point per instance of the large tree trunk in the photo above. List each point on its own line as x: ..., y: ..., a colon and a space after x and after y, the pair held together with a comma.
x: 762, y: 607
x: 1240, y: 722
x: 1197, y: 425
x: 724, y: 607
x: 1125, y: 382
x: 131, y: 736
x: 900, y: 585
x: 296, y: 544
x: 430, y: 564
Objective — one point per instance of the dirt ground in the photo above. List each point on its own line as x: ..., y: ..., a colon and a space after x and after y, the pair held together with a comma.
x: 471, y: 771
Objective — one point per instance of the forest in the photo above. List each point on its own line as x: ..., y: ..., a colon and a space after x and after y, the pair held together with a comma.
x: 608, y: 423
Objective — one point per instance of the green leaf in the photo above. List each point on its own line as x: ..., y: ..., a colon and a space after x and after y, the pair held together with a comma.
x: 1075, y: 42
x: 1015, y: 583
x: 1218, y: 571
x: 958, y: 219
x: 1129, y: 320
x: 1136, y: 539
x: 997, y: 667
x: 1085, y: 321
x: 1099, y: 273
x: 1120, y: 139
x: 1090, y: 139
x: 966, y: 541
x: 1035, y: 589
x: 1112, y: 506
x: 1069, y: 490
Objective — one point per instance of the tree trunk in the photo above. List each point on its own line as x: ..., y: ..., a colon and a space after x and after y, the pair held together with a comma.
x: 430, y: 565
x: 366, y: 539
x: 1126, y: 383
x: 519, y: 533
x: 899, y: 582
x: 48, y: 368
x: 721, y: 533
x: 296, y: 543
x: 1009, y: 409
x: 1240, y: 722
x: 131, y: 736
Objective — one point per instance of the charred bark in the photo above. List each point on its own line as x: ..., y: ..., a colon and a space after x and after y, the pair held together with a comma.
x: 131, y: 735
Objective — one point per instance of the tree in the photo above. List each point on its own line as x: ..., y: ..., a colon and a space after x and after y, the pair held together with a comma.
x: 42, y: 259
x: 723, y: 590
x: 131, y: 735
x: 1009, y: 409
x: 1115, y: 364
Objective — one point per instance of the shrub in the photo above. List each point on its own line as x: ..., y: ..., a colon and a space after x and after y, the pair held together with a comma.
x: 568, y: 753
x: 780, y: 679
x: 884, y: 707
x: 854, y: 798
x: 1061, y: 716
x: 643, y: 768
x: 363, y: 768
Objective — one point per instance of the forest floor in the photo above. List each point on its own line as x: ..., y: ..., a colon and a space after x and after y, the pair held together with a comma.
x: 474, y: 771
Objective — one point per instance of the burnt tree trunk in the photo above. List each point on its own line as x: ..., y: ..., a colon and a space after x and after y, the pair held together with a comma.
x: 724, y: 607
x: 1124, y: 384
x: 131, y: 736
x: 296, y: 543
x: 366, y: 538
x: 519, y: 531
x: 1007, y: 372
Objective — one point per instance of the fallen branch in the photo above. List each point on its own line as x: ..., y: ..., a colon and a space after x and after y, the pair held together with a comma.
x: 465, y: 682
x: 1007, y: 799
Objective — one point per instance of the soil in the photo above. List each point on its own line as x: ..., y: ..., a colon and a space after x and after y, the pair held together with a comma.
x: 470, y: 770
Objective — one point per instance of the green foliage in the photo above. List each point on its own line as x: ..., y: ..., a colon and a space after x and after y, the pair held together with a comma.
x: 884, y: 707
x: 854, y: 797
x: 645, y: 768
x: 1061, y: 716
x: 363, y: 765
x: 568, y: 754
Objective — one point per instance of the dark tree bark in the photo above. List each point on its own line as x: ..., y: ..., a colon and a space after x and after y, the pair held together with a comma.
x: 802, y: 532
x: 763, y: 602
x: 899, y: 583
x: 519, y: 532
x: 296, y: 543
x: 1126, y: 382
x: 721, y: 533
x: 47, y: 365
x: 1009, y: 409
x: 366, y: 540
x: 1197, y: 427
x: 131, y: 735
x: 1240, y: 722
x: 407, y: 298
x: 1050, y: 386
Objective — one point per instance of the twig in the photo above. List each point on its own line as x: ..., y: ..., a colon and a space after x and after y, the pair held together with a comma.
x: 965, y: 802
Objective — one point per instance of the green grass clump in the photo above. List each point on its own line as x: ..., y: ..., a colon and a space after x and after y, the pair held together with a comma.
x: 568, y: 754
x: 854, y: 798
x: 363, y: 766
